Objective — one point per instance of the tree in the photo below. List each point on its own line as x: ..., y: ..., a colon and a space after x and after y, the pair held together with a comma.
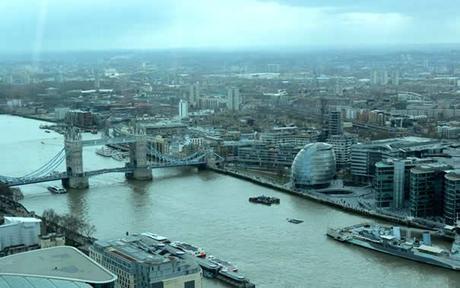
x: 68, y: 223
x: 51, y: 216
x: 5, y: 190
x: 72, y: 223
x: 88, y: 230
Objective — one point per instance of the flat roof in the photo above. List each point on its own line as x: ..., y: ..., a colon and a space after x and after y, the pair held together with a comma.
x: 9, y: 219
x: 405, y: 143
x: 61, y: 262
x: 431, y: 167
x: 15, y: 281
x: 387, y: 237
x: 453, y: 175
x: 128, y: 249
x: 431, y: 249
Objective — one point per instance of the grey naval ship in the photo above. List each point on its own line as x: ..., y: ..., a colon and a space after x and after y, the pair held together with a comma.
x: 391, y: 240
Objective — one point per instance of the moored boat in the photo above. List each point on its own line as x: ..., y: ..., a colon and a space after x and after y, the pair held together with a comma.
x: 294, y: 221
x: 262, y: 199
x: 188, y: 248
x: 56, y: 190
x: 119, y: 156
x: 223, y: 264
x: 156, y: 237
x: 105, y: 152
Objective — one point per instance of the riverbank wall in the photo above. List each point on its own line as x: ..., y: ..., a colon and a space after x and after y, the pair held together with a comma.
x: 34, y: 117
x: 323, y: 199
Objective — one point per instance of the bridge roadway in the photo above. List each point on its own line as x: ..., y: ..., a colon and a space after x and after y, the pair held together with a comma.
x: 108, y: 141
x: 63, y: 175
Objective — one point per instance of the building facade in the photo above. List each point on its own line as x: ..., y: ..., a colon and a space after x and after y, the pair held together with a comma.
x: 194, y: 95
x: 335, y: 126
x: 341, y: 144
x: 314, y: 166
x: 19, y: 234
x: 139, y: 261
x: 183, y: 109
x: 365, y: 155
x: 391, y: 183
x: 427, y: 189
x: 233, y: 99
x: 452, y: 197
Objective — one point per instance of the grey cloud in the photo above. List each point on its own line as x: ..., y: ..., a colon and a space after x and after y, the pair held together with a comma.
x: 106, y: 24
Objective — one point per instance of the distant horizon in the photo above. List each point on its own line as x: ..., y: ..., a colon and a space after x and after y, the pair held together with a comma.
x: 423, y: 47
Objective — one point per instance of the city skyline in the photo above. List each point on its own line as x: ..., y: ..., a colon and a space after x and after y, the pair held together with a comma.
x: 200, y: 144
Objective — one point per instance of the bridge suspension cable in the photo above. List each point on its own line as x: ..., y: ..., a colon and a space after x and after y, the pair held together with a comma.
x: 48, y: 167
x: 44, y: 170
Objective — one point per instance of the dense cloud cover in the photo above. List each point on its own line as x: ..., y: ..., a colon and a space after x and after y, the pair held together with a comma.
x: 46, y: 25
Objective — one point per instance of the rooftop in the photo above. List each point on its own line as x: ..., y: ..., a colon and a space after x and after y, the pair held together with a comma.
x: 140, y: 249
x: 135, y: 248
x: 61, y: 262
x: 430, y: 249
x: 404, y: 143
x: 15, y: 281
x: 431, y: 167
x: 9, y: 219
x: 453, y: 175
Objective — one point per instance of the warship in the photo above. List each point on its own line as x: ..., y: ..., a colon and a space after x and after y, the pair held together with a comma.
x: 390, y: 240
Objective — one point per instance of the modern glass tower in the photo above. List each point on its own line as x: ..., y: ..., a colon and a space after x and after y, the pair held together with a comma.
x: 452, y: 197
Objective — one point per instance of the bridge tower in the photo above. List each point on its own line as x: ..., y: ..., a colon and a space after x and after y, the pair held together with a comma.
x: 138, y: 157
x: 74, y: 160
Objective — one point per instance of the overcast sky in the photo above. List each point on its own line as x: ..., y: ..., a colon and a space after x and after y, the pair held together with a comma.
x: 44, y: 25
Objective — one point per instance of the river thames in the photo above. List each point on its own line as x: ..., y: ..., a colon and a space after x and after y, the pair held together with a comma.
x: 213, y: 212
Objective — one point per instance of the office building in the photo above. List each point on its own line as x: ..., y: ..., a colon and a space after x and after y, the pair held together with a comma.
x: 427, y: 189
x: 194, y: 95
x: 273, y: 150
x: 452, y: 197
x: 59, y: 113
x: 363, y: 159
x: 383, y: 183
x: 335, y: 126
x: 257, y: 154
x: 379, y: 77
x: 449, y: 132
x: 183, y: 109
x: 391, y: 183
x: 384, y: 80
x: 81, y: 119
x: 233, y: 99
x: 341, y: 144
x: 64, y: 264
x: 395, y: 78
x: 19, y: 234
x: 365, y: 155
x: 139, y: 262
x: 399, y: 183
x: 314, y: 166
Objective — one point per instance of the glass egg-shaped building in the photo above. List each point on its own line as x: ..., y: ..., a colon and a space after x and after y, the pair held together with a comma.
x: 313, y: 166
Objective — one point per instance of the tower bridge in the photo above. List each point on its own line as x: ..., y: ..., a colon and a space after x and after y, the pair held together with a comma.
x: 139, y: 167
